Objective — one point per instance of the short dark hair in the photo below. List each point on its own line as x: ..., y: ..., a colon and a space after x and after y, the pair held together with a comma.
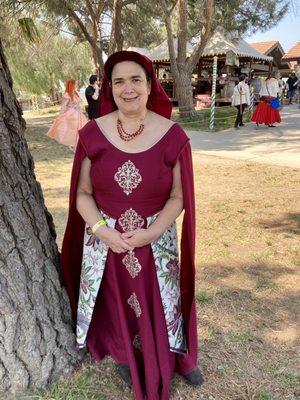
x: 93, y: 79
x: 242, y: 77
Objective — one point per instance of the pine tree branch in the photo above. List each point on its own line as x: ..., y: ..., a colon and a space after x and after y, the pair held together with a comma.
x: 91, y: 10
x: 80, y: 24
x: 100, y: 9
x: 127, y: 2
x: 204, y: 36
x: 172, y: 54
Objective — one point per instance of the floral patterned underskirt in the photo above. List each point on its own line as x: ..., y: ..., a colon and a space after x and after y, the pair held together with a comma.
x: 166, y: 260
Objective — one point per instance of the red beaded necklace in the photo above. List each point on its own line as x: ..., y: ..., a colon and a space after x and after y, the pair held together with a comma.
x: 128, y: 136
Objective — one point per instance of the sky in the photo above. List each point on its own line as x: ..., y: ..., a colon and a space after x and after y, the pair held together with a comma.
x: 287, y: 32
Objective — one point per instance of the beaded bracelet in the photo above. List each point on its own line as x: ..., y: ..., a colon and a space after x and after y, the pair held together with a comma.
x: 97, y: 225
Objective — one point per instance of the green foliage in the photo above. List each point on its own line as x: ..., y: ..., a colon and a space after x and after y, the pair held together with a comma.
x: 143, y: 21
x: 266, y: 284
x: 29, y: 29
x: 203, y: 296
x: 142, y: 26
x: 263, y: 395
x: 39, y: 67
x: 242, y: 16
x: 247, y: 16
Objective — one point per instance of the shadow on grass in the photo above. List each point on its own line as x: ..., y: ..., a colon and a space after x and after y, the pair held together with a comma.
x: 288, y: 222
x: 248, y: 343
x: 265, y: 294
x: 41, y: 146
x: 249, y: 331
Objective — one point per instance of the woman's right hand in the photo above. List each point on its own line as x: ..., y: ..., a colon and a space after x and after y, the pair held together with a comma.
x: 113, y: 239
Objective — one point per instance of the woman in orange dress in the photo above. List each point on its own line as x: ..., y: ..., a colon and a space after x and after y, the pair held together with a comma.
x: 66, y: 126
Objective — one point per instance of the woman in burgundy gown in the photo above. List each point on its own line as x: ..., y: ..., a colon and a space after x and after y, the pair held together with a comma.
x: 131, y: 296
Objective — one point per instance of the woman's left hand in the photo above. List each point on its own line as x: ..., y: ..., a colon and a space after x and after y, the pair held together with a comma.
x: 138, y: 238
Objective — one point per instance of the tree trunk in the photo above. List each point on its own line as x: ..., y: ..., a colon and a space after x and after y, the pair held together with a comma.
x: 36, y: 339
x: 95, y: 62
x: 182, y: 66
x: 53, y: 90
x: 97, y: 49
x: 116, y: 36
x: 184, y: 94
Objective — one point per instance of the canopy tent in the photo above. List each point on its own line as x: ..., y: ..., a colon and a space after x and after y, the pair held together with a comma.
x: 218, y: 45
x: 141, y: 50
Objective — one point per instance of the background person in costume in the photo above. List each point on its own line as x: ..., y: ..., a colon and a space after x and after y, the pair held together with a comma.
x: 291, y: 85
x: 240, y: 99
x: 131, y: 296
x: 92, y: 97
x: 66, y: 126
x: 264, y: 113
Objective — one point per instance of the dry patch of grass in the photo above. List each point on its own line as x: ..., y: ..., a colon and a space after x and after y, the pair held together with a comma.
x: 248, y: 259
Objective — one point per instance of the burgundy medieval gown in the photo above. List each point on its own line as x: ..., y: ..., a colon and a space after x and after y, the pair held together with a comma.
x: 137, y: 316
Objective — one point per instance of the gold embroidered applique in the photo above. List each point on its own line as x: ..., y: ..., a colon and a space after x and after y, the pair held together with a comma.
x: 130, y: 220
x: 132, y: 264
x: 128, y: 177
x: 135, y: 305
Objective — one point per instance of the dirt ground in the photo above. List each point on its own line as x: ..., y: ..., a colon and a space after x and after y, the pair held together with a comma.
x: 248, y: 259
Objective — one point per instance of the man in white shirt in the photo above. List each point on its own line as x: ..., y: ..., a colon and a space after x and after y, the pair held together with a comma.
x: 240, y: 99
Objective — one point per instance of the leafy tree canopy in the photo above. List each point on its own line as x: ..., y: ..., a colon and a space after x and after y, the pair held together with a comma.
x: 37, y: 67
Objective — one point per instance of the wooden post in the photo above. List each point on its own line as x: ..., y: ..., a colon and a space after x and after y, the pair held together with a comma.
x: 199, y: 68
x: 270, y: 66
x: 157, y: 70
x: 250, y: 68
x: 251, y: 107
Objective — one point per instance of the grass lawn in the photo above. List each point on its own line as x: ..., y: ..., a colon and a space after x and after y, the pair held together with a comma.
x: 224, y: 118
x: 248, y: 259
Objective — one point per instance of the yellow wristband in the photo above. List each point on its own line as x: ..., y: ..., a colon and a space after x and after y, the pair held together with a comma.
x: 97, y: 225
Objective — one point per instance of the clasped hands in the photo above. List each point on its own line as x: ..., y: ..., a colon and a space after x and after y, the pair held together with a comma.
x: 121, y: 242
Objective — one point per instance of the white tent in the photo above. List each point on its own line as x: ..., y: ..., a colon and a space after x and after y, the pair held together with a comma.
x: 218, y: 44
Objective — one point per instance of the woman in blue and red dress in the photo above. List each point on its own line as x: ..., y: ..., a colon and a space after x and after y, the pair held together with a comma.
x: 264, y: 113
x: 131, y: 296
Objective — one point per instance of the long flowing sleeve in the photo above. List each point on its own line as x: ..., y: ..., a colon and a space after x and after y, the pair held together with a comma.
x: 72, y: 247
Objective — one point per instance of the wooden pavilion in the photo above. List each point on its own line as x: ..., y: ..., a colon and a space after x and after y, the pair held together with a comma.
x: 274, y: 49
x: 293, y: 56
x: 235, y: 56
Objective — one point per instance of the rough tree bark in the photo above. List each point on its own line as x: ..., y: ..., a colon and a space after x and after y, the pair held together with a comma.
x: 36, y: 339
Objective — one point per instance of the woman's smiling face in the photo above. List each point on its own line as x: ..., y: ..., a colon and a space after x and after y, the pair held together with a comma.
x: 130, y: 87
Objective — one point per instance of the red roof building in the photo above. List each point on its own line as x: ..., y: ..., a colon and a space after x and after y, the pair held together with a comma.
x: 293, y: 54
x: 267, y: 47
x: 274, y: 49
